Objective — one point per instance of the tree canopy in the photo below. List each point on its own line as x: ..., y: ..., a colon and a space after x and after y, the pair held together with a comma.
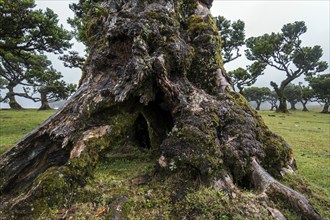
x: 272, y: 99
x: 48, y: 83
x: 321, y: 87
x: 232, y: 37
x: 284, y: 52
x: 257, y: 94
x: 85, y: 11
x: 246, y: 77
x: 293, y: 95
x: 25, y: 29
x: 307, y: 94
x: 25, y: 34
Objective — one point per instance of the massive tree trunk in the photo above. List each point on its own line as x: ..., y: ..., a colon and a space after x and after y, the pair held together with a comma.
x: 155, y: 78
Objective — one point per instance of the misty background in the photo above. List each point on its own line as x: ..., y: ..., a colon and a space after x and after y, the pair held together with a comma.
x: 260, y: 17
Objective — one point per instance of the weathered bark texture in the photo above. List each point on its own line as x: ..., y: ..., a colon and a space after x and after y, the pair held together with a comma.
x: 155, y: 77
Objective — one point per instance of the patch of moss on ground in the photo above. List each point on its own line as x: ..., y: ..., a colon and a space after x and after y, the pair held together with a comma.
x: 128, y: 182
x: 211, y: 203
x: 120, y: 173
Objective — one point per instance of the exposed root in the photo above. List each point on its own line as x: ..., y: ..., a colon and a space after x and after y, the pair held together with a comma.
x: 265, y: 183
x: 117, y: 208
x: 276, y: 213
x: 225, y: 183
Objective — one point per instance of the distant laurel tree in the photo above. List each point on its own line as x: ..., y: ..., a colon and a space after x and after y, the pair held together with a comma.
x: 25, y: 35
x: 283, y: 51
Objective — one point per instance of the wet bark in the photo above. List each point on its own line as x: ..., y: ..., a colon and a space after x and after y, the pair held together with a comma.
x: 267, y: 184
x: 154, y: 77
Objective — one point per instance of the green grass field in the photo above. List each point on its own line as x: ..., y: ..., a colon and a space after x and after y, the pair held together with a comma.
x: 308, y: 133
x: 15, y: 124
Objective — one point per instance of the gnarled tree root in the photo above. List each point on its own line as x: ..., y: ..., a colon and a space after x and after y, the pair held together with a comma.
x: 265, y: 183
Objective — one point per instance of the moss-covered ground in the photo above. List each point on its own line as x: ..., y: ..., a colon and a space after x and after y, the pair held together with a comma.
x: 125, y: 183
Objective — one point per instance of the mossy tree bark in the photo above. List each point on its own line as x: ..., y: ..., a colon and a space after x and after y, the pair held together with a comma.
x: 155, y: 77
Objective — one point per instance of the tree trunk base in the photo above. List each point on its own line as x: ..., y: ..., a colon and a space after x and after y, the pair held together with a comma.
x: 15, y: 106
x: 133, y: 192
x: 282, y: 110
x: 44, y: 107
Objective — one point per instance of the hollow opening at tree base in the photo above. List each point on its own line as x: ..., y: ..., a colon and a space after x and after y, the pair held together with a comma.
x: 141, y: 133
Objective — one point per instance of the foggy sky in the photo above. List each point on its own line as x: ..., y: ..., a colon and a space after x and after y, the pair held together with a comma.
x: 260, y: 17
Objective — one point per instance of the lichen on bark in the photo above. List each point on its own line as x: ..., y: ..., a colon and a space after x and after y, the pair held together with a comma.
x: 154, y: 79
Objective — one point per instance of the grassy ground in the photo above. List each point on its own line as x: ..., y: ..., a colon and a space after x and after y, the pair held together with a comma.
x: 307, y: 132
x: 15, y: 124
